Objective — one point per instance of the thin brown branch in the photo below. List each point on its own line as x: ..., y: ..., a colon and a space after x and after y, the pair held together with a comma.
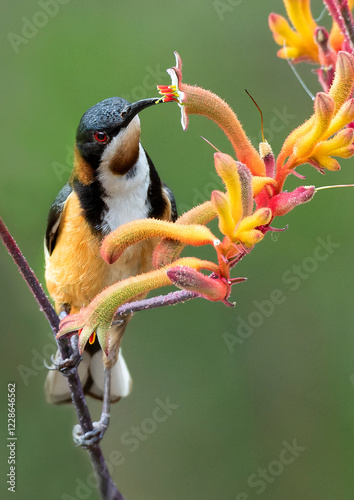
x: 29, y: 277
x: 106, y: 485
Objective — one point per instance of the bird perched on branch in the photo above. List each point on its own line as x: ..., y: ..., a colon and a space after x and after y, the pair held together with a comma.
x: 113, y: 182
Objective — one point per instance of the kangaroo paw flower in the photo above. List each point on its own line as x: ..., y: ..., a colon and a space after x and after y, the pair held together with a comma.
x: 98, y: 315
x: 198, y: 101
x: 212, y: 287
x: 169, y: 250
x: 282, y: 203
x: 119, y: 240
x: 296, y: 43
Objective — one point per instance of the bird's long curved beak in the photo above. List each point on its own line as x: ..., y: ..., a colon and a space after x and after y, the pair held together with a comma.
x: 133, y: 109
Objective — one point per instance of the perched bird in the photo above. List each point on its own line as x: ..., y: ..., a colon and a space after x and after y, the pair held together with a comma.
x: 113, y: 182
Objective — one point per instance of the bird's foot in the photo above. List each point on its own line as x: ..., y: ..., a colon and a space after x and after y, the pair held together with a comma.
x: 65, y: 366
x: 93, y: 437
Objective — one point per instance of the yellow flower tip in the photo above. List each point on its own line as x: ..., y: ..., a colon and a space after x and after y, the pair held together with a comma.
x: 260, y: 217
x: 292, y: 53
x: 86, y: 335
x: 258, y: 183
x: 236, y: 178
x: 263, y: 216
x: 307, y: 136
x: 247, y: 231
x: 251, y: 237
x: 277, y: 23
x: 168, y: 250
x: 324, y: 106
x: 343, y: 82
x: 343, y: 117
x: 221, y: 204
x: 345, y: 64
x: 265, y: 149
x: 325, y: 162
x: 225, y: 165
x: 281, y: 29
x: 341, y: 145
x: 200, y: 214
x: 226, y: 168
x: 297, y: 43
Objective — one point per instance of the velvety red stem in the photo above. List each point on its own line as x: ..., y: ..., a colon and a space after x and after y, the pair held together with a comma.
x: 339, y: 10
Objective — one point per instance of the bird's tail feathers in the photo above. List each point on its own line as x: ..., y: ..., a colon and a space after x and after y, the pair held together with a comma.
x: 91, y: 373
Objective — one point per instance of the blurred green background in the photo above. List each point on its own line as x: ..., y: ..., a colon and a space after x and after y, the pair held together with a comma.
x: 239, y: 403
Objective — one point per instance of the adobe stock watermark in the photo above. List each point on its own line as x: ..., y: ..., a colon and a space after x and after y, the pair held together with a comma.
x: 63, y: 170
x: 148, y: 84
x: 224, y: 7
x: 201, y: 195
x: 292, y: 279
x: 264, y: 476
x: 130, y: 441
x: 30, y: 27
x: 36, y: 364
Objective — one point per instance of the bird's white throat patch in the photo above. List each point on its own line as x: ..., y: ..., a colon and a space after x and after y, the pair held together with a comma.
x: 126, y: 195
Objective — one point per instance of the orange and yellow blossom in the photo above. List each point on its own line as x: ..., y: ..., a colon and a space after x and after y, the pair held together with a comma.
x: 305, y: 40
x: 298, y: 42
x: 326, y: 133
x: 257, y: 177
x: 240, y: 231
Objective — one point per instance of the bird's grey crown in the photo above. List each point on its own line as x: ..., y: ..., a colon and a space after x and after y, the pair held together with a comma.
x: 102, y: 116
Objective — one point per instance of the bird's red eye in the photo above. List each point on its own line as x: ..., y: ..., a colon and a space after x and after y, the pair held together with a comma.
x: 101, y: 136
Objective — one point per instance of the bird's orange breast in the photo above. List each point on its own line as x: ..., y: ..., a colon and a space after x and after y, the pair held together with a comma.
x: 76, y: 272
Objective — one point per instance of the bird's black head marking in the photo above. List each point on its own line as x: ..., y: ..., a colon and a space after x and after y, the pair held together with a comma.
x: 104, y: 121
x: 98, y: 126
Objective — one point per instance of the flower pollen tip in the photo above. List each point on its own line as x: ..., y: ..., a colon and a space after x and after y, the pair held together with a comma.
x: 228, y: 303
x: 92, y: 338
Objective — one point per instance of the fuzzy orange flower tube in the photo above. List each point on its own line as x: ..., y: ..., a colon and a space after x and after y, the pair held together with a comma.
x: 98, y: 315
x: 115, y: 243
x: 326, y: 133
x: 198, y: 101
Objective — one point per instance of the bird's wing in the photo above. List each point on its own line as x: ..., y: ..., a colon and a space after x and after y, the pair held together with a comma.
x: 54, y: 218
x: 169, y: 195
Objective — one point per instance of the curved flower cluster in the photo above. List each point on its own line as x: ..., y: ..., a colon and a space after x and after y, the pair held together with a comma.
x: 306, y: 41
x: 253, y: 196
x: 324, y: 135
x: 297, y: 42
x: 236, y: 222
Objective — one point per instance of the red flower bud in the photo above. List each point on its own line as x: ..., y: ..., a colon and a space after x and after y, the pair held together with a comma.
x: 211, y: 288
x: 282, y: 203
